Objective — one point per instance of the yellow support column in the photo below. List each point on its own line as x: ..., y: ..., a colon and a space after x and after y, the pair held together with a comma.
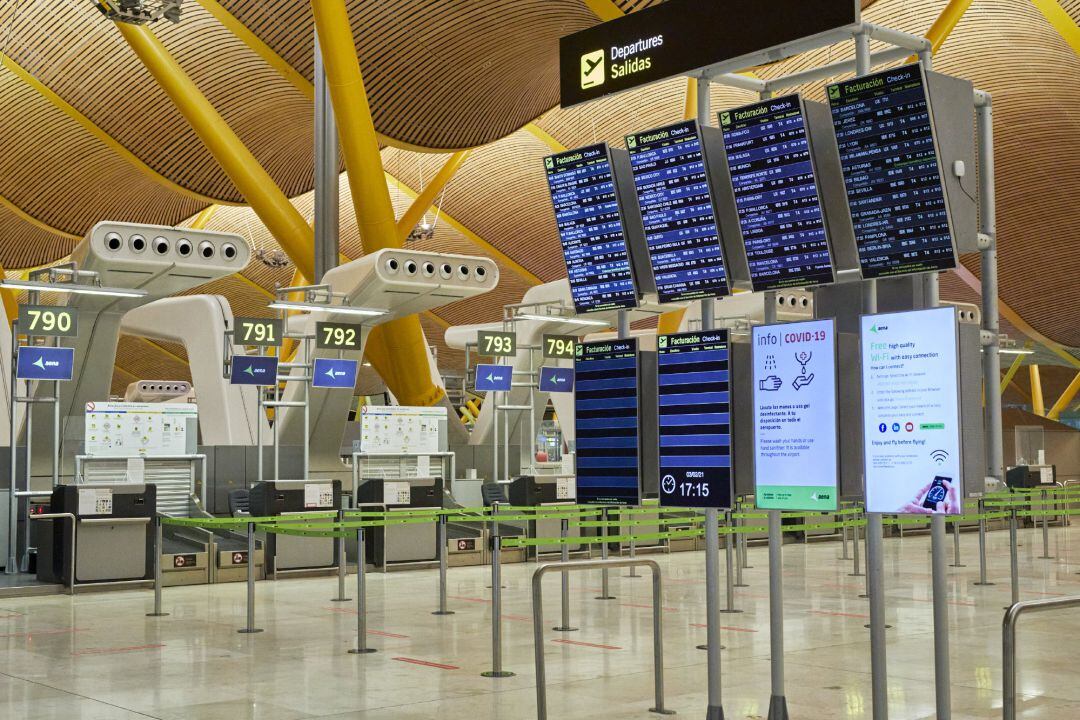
x: 1037, y: 405
x: 396, y: 349
x: 1065, y: 399
x: 426, y: 199
x: 1013, y: 368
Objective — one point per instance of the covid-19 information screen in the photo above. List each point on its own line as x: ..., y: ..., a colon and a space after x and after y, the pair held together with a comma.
x: 590, y: 227
x: 772, y: 175
x: 694, y: 379
x: 672, y: 186
x: 606, y: 422
x: 891, y: 170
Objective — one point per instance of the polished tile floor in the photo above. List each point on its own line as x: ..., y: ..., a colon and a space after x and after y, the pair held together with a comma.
x: 97, y: 656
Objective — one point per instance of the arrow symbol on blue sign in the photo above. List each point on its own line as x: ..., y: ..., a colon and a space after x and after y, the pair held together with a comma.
x: 40, y: 362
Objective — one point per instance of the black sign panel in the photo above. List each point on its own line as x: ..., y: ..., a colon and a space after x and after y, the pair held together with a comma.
x: 582, y: 185
x: 695, y: 419
x: 672, y: 186
x: 678, y: 36
x: 776, y: 195
x: 890, y: 160
x: 497, y: 344
x: 559, y: 346
x: 606, y: 422
x: 48, y: 321
x: 265, y: 332
x: 338, y: 336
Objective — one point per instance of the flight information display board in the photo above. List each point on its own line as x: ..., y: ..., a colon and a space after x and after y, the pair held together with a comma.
x: 695, y: 419
x: 598, y: 265
x: 890, y: 161
x: 776, y: 194
x: 606, y: 422
x: 671, y: 181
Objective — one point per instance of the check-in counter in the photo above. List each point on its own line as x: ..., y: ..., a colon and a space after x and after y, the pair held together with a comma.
x: 543, y: 490
x: 409, y: 543
x: 290, y: 553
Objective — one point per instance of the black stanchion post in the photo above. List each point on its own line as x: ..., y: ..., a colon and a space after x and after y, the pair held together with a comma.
x: 250, y: 627
x: 442, y: 567
x: 342, y: 561
x: 361, y: 598
x: 158, y: 548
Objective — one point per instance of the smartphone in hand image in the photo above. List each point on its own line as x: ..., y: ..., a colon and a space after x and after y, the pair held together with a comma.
x: 939, y: 490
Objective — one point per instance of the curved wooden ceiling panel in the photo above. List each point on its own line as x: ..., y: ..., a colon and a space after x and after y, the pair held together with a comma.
x: 23, y: 245
x: 79, y: 55
x: 439, y: 74
x: 61, y: 175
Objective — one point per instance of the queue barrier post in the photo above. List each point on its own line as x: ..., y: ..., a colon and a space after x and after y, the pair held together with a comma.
x: 564, y: 533
x: 158, y: 546
x: 1008, y: 645
x: 496, y: 602
x: 250, y: 627
x: 342, y: 562
x: 442, y: 567
x: 361, y: 597
x: 538, y: 625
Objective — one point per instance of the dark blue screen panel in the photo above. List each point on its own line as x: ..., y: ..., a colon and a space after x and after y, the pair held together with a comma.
x: 671, y: 180
x: 594, y: 246
x: 776, y: 194
x: 606, y: 421
x: 694, y: 382
x: 891, y: 171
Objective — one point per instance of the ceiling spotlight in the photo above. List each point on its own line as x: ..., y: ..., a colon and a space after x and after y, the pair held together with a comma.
x: 423, y: 232
x: 140, y: 12
x: 272, y: 258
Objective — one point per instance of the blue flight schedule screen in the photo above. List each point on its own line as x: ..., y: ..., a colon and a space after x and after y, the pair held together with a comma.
x: 672, y: 186
x: 695, y: 419
x: 891, y: 171
x: 776, y: 195
x: 606, y: 422
x: 583, y: 193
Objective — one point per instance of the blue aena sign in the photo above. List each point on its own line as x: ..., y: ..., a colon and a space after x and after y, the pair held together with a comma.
x: 333, y: 373
x: 556, y: 379
x: 493, y: 378
x: 44, y: 363
x: 254, y: 370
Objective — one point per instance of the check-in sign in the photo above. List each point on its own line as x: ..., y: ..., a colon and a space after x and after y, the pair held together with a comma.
x: 556, y: 379
x: 44, y: 363
x: 331, y: 373
x: 254, y: 370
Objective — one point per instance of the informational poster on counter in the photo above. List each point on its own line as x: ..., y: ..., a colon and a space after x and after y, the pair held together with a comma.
x: 911, y: 412
x: 120, y: 429
x: 796, y: 465
x: 401, y: 429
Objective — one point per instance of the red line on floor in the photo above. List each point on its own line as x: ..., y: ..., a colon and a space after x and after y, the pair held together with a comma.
x: 380, y: 633
x: 469, y: 599
x: 838, y: 614
x: 519, y: 618
x: 33, y: 633
x: 1050, y: 594
x: 114, y: 650
x: 649, y: 607
x: 425, y: 663
x: 587, y: 644
x: 725, y: 627
x: 961, y: 603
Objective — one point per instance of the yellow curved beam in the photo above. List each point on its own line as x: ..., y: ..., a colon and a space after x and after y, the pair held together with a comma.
x: 604, y: 9
x: 1066, y: 398
x: 1061, y: 21
x: 108, y: 140
x: 1037, y: 405
x: 426, y: 199
x: 287, y: 71
x: 944, y: 25
x: 201, y: 220
x: 1013, y: 368
x: 545, y: 137
x: 39, y: 224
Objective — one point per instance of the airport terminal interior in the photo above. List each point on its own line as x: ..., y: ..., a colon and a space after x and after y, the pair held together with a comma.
x: 488, y: 360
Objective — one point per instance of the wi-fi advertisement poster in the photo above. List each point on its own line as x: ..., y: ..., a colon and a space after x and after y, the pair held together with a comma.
x: 911, y: 412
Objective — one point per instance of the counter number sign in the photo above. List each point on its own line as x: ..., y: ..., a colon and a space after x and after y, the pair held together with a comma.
x: 337, y: 336
x: 559, y: 346
x: 265, y: 332
x: 48, y: 321
x: 498, y: 344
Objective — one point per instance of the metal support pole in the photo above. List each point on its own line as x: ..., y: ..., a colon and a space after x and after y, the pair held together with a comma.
x: 342, y: 563
x: 605, y: 588
x: 875, y: 571
x: 715, y: 709
x: 1008, y: 645
x: 942, y: 681
x: 1045, y: 528
x: 157, y: 568
x: 777, y: 701
x: 361, y: 597
x: 250, y: 627
x: 956, y: 544
x: 496, y: 610
x: 843, y: 539
x: 564, y: 555
x: 982, y: 546
x: 13, y: 507
x: 729, y: 560
x: 857, y: 572
x: 738, y: 538
x: 1014, y: 561
x: 442, y: 568
x: 326, y: 173
x: 24, y: 503
x: 633, y: 550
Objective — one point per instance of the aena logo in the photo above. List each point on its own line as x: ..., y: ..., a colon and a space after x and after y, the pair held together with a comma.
x: 878, y: 328
x: 592, y: 69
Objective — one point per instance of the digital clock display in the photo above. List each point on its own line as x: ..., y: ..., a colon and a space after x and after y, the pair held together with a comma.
x: 606, y: 422
x: 695, y: 419
x: 586, y: 202
x: 890, y: 161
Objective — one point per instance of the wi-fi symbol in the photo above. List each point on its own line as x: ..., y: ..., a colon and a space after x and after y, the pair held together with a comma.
x: 939, y: 456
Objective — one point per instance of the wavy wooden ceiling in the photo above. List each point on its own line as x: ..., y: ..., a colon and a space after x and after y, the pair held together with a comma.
x: 456, y: 74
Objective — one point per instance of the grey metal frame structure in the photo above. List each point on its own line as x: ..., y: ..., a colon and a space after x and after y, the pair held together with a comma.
x: 1008, y: 644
